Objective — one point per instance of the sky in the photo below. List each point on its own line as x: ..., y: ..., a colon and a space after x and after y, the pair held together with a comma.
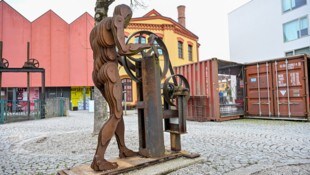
x: 208, y: 19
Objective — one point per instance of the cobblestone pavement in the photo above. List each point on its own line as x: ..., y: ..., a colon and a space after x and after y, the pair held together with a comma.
x: 235, y: 147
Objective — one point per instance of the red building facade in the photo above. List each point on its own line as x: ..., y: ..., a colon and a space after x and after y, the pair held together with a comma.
x: 62, y: 49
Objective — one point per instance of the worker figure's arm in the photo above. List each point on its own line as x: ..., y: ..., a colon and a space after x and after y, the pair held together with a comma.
x: 117, y: 28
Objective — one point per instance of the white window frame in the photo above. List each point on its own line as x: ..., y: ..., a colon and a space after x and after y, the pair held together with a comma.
x: 299, y: 37
x: 294, y: 51
x: 291, y: 6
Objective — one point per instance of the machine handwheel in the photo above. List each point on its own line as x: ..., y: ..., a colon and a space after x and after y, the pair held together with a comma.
x: 131, y: 61
x: 173, y: 84
x: 5, y: 63
x: 34, y: 62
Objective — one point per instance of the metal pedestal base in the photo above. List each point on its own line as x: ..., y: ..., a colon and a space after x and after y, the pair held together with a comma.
x: 128, y: 164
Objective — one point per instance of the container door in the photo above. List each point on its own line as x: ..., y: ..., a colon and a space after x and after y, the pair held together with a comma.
x: 289, y: 88
x: 259, y: 90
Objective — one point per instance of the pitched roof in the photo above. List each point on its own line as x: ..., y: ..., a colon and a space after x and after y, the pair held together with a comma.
x: 47, y: 12
x: 153, y: 14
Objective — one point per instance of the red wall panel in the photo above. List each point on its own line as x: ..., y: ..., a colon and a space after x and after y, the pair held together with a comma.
x: 41, y: 47
x: 90, y: 61
x: 63, y: 50
x: 16, y: 33
x: 78, y: 51
x: 1, y: 20
x: 59, y: 51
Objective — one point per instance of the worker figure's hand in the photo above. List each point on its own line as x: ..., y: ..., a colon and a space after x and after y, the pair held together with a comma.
x: 153, y: 50
x: 151, y: 39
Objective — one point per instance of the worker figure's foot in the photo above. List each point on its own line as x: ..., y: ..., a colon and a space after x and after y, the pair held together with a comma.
x: 125, y: 152
x: 100, y: 164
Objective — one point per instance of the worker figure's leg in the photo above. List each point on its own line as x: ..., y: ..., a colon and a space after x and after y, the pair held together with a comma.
x: 106, y: 133
x: 120, y: 137
x: 112, y: 92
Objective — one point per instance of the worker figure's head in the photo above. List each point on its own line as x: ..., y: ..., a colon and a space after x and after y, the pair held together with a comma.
x: 124, y: 11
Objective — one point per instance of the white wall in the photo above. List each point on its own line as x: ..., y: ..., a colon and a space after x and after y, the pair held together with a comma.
x: 255, y: 30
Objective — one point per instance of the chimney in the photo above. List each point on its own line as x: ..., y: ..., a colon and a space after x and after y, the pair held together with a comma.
x: 181, y: 15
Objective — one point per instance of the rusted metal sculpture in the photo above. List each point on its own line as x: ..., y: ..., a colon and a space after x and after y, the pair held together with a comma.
x: 148, y: 72
x: 148, y: 68
x: 147, y: 63
x: 133, y: 63
x: 104, y: 39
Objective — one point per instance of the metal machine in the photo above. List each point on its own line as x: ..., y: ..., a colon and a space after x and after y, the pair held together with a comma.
x: 162, y: 96
x: 30, y: 66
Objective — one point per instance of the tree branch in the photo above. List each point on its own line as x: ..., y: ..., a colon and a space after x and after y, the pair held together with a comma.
x: 137, y: 3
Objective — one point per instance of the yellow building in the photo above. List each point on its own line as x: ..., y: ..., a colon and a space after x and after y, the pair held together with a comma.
x: 181, y: 43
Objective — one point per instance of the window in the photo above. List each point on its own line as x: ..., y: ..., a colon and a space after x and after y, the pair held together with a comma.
x: 290, y: 53
x: 180, y: 49
x: 141, y: 38
x: 303, y: 22
x: 305, y: 50
x: 295, y: 29
x: 190, y: 52
x: 288, y: 5
x: 127, y: 87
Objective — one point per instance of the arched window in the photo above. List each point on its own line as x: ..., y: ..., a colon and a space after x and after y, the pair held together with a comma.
x: 141, y: 38
x: 127, y: 87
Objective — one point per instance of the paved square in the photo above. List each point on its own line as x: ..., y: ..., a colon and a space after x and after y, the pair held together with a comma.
x: 234, y: 147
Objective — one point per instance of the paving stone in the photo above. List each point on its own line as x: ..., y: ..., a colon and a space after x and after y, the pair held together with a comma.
x: 45, y: 146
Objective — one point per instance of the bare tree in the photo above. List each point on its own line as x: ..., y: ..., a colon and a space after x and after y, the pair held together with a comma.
x: 101, y: 106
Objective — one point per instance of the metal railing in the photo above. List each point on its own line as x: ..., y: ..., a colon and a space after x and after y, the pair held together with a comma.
x: 19, y: 110
x: 11, y: 111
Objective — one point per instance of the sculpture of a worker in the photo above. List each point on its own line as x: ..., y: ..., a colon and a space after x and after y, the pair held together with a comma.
x: 104, y: 39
